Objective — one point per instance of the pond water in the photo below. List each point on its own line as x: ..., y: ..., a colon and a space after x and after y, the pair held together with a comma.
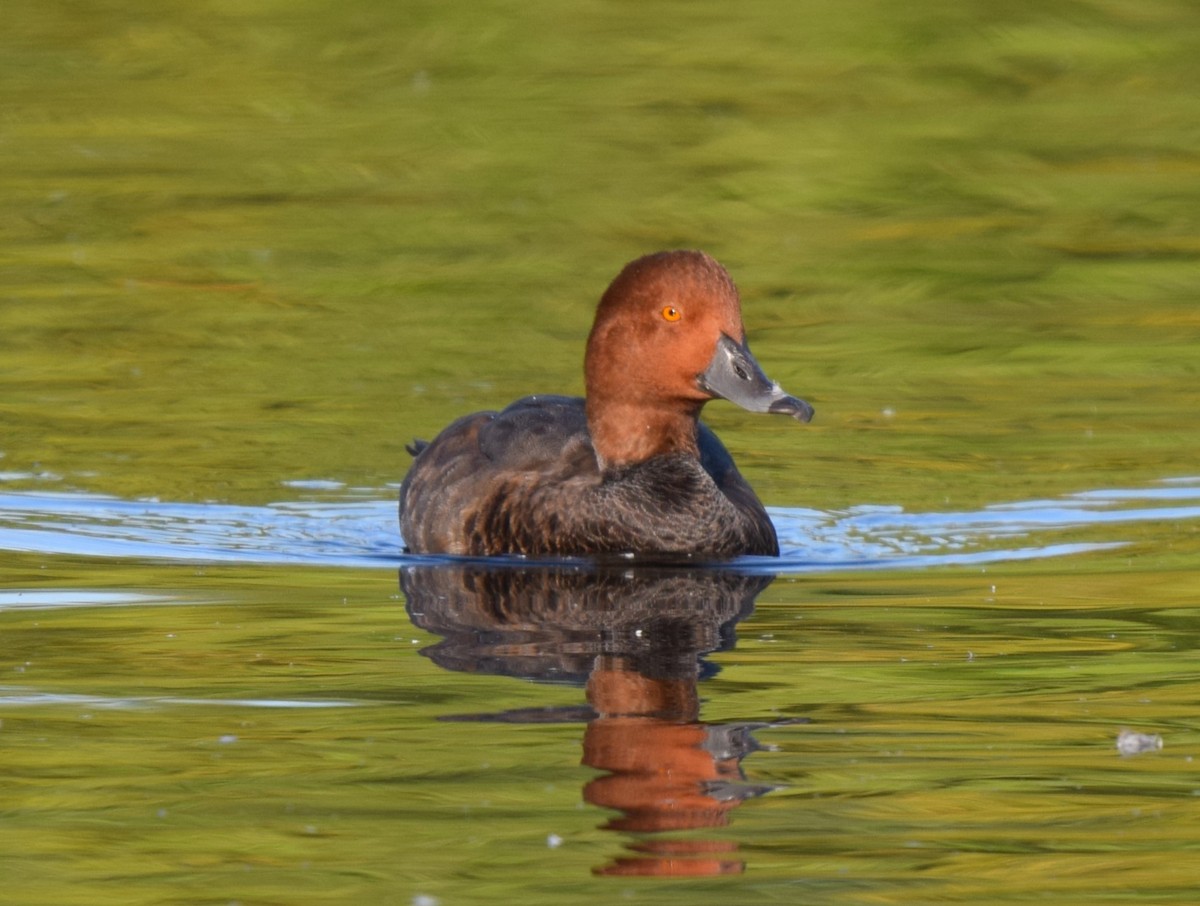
x: 252, y: 249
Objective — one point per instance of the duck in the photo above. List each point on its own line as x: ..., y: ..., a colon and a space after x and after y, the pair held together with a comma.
x: 628, y: 469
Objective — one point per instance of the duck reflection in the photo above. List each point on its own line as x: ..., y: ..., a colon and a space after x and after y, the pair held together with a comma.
x: 635, y: 637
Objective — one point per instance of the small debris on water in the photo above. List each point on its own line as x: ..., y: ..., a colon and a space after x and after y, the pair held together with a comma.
x: 1130, y: 742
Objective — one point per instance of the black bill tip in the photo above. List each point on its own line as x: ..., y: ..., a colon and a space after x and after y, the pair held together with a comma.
x: 790, y: 405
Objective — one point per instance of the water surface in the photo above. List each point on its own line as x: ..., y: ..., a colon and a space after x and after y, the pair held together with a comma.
x: 250, y: 250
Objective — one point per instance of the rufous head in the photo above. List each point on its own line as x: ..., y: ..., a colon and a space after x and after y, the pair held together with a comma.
x: 667, y: 338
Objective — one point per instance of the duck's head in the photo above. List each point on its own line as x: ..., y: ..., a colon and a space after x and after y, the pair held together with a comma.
x: 667, y: 338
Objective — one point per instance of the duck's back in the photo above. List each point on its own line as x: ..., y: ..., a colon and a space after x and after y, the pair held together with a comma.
x: 526, y: 481
x: 459, y: 480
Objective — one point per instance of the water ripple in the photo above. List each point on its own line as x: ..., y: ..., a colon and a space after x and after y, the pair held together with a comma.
x: 362, y: 532
x: 12, y: 696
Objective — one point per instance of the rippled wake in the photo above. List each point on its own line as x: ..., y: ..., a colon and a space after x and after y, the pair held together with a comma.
x: 362, y: 532
x: 889, y: 536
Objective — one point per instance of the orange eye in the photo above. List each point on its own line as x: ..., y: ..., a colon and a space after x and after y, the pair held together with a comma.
x: 671, y: 313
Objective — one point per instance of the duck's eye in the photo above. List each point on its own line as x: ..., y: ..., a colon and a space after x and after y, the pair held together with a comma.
x: 671, y: 313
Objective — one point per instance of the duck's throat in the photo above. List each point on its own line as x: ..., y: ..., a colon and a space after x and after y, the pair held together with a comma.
x: 624, y: 434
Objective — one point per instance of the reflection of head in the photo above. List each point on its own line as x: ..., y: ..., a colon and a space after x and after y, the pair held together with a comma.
x: 552, y: 621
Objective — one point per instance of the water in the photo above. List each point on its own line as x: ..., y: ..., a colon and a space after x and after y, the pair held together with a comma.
x: 214, y: 703
x: 251, y: 250
x: 357, y: 530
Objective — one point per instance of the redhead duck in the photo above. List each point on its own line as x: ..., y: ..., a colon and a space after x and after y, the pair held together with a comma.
x: 629, y: 469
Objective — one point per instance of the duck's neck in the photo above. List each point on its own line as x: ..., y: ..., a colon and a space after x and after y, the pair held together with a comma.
x: 624, y: 434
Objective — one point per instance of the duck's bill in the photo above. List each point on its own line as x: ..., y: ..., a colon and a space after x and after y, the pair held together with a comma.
x: 733, y: 374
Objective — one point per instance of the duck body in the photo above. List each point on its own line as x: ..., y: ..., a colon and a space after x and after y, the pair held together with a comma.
x: 629, y: 469
x: 526, y: 480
